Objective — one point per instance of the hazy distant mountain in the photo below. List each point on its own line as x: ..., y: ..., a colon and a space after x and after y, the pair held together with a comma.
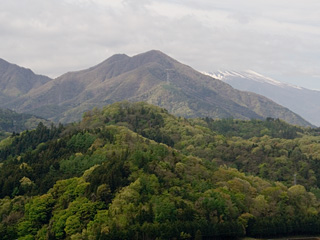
x: 16, y: 81
x: 152, y: 77
x: 302, y: 101
x: 11, y: 121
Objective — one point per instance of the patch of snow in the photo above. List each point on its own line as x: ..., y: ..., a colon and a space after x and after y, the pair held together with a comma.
x: 249, y: 74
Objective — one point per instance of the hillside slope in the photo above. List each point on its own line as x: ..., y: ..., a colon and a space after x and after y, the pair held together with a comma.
x: 152, y: 77
x: 16, y: 81
x: 112, y: 177
x: 300, y: 100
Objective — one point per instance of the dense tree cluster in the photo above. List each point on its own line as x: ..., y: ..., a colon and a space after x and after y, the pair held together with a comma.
x: 274, y: 128
x: 132, y: 171
x: 11, y: 121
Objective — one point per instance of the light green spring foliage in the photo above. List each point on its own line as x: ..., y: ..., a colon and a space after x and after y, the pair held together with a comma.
x: 5, y: 142
x: 142, y: 173
x: 232, y: 196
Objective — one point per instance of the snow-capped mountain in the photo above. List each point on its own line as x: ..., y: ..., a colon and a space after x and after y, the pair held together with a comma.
x: 300, y: 100
x: 249, y: 74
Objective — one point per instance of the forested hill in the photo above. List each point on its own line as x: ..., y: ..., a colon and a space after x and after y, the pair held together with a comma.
x: 133, y: 171
x: 11, y: 121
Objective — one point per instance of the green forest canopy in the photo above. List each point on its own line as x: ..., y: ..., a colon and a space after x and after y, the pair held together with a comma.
x: 133, y: 171
x: 13, y: 122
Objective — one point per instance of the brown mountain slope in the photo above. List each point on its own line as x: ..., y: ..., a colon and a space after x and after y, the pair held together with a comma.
x: 152, y: 77
x: 301, y: 100
x: 16, y: 81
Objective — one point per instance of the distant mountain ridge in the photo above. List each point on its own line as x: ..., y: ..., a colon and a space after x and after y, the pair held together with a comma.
x: 16, y: 81
x: 152, y: 77
x: 249, y: 74
x: 303, y: 101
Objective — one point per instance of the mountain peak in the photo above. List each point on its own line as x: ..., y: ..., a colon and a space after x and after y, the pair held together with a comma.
x: 117, y: 57
x: 153, y: 77
x: 16, y: 80
x: 154, y: 56
x: 5, y: 64
x: 154, y: 52
x: 3, y: 61
x: 137, y: 60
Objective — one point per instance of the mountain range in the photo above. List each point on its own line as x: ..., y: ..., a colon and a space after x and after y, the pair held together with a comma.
x: 298, y: 99
x: 152, y: 77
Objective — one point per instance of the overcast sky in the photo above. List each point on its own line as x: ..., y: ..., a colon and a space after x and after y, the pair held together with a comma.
x: 277, y: 38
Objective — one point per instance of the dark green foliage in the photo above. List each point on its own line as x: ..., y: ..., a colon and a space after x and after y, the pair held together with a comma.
x: 77, y: 164
x: 254, y: 128
x: 29, y: 140
x: 142, y: 118
x: 113, y: 173
x: 31, y: 154
x: 80, y: 142
x: 281, y: 226
x: 11, y: 121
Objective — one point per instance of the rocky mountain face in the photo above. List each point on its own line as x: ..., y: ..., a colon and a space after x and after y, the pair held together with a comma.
x: 16, y: 81
x: 152, y: 77
x: 302, y: 101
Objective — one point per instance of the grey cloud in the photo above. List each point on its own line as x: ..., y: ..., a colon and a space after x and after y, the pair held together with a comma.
x: 274, y: 37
